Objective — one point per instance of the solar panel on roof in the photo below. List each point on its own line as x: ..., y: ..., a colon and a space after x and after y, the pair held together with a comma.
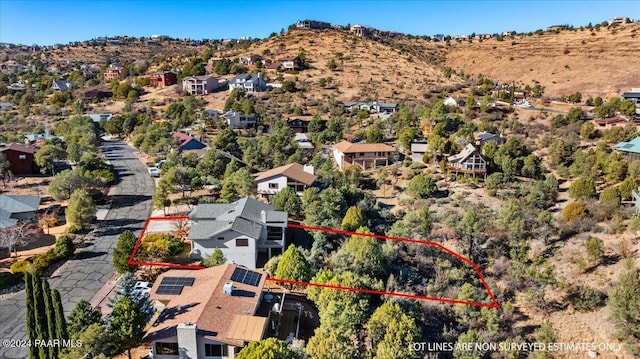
x: 247, y: 277
x: 169, y: 289
x: 252, y: 278
x: 179, y: 281
x: 238, y: 275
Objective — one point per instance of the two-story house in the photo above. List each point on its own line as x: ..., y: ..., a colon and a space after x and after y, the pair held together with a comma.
x: 250, y: 59
x: 469, y: 160
x: 61, y: 85
x: 163, y: 79
x: 248, y: 82
x: 365, y: 155
x: 241, y: 230
x: 208, y: 313
x: 200, y: 85
x: 114, y: 72
x: 238, y: 120
x: 293, y: 175
x: 20, y: 157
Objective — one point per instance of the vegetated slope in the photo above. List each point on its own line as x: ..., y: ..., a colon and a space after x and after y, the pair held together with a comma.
x: 593, y: 62
x: 365, y: 69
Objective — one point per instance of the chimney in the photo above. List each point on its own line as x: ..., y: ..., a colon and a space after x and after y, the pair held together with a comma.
x: 227, y: 289
x: 309, y: 169
x: 263, y: 216
x: 187, y: 342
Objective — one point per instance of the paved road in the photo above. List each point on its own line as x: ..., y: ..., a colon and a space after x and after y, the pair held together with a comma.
x: 83, y: 276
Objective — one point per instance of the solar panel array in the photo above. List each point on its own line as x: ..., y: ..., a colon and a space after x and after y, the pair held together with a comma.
x: 174, y: 285
x: 245, y: 276
x: 182, y: 281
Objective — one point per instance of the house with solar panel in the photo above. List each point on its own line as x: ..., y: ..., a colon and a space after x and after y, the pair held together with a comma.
x: 206, y: 313
x: 242, y: 230
x: 630, y: 150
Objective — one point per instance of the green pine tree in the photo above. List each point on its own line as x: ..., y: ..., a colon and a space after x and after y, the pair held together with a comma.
x: 42, y: 330
x: 51, y: 316
x: 61, y: 323
x: 30, y: 314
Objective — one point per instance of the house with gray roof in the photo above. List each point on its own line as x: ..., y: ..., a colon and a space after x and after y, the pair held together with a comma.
x: 249, y: 82
x: 61, y: 85
x: 15, y: 208
x: 241, y: 230
x: 469, y: 160
x: 631, y: 149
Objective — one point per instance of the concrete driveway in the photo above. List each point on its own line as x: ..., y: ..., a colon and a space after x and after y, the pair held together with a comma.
x: 83, y: 276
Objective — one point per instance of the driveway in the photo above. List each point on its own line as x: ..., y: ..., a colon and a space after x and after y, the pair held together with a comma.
x: 81, y: 277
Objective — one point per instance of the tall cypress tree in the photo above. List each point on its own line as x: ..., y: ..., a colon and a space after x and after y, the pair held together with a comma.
x: 42, y: 331
x: 51, y: 316
x: 61, y: 322
x: 30, y: 315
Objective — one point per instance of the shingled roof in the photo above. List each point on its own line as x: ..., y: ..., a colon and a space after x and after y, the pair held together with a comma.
x: 294, y: 171
x: 218, y: 316
x: 348, y: 147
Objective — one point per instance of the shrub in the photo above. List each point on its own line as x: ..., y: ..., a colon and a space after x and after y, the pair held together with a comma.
x: 574, y: 211
x: 21, y: 266
x: 162, y: 245
x: 584, y: 298
x: 43, y: 261
x: 611, y: 197
x: 64, y: 247
x: 421, y: 186
x: 74, y: 228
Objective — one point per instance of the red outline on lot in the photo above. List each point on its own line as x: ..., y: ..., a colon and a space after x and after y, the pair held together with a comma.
x: 494, y: 303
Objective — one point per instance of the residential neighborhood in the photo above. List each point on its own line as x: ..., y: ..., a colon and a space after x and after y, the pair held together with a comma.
x: 325, y: 189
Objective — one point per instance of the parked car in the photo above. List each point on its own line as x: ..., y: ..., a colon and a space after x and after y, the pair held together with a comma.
x: 160, y: 163
x: 154, y: 172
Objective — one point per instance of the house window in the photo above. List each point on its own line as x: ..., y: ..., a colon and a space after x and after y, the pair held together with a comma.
x: 273, y: 186
x: 242, y: 242
x: 215, y: 350
x: 166, y: 348
x: 22, y: 157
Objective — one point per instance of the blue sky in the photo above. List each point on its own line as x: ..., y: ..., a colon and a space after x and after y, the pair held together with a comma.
x: 53, y: 21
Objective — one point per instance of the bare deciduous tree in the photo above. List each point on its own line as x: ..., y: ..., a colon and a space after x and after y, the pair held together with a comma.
x: 20, y: 234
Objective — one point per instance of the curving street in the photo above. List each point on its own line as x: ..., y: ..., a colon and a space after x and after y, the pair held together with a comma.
x: 91, y: 268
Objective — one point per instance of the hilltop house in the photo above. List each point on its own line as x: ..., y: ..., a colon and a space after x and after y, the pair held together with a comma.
x: 248, y: 82
x: 312, y: 24
x: 20, y: 157
x: 200, y: 85
x: 293, y: 175
x: 620, y: 20
x: 291, y: 63
x: 61, y: 85
x: 611, y: 122
x: 454, y: 101
x: 469, y: 160
x: 238, y: 120
x: 114, y: 72
x: 187, y: 142
x: 163, y: 79
x: 241, y: 230
x: 375, y: 107
x: 208, y: 313
x: 361, y: 31
x: 365, y: 155
x: 630, y: 150
x: 16, y: 208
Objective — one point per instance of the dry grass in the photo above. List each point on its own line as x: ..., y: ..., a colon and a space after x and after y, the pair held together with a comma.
x: 601, y: 64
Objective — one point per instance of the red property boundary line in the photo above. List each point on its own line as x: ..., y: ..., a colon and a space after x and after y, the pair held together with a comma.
x: 494, y: 303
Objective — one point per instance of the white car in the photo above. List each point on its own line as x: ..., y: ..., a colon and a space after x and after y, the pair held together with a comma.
x: 154, y: 172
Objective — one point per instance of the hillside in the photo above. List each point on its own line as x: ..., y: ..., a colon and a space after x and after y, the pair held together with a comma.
x: 366, y: 69
x: 598, y: 63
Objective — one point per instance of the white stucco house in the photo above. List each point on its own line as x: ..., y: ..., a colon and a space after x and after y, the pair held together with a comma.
x: 241, y: 230
x: 208, y: 313
x: 293, y: 175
